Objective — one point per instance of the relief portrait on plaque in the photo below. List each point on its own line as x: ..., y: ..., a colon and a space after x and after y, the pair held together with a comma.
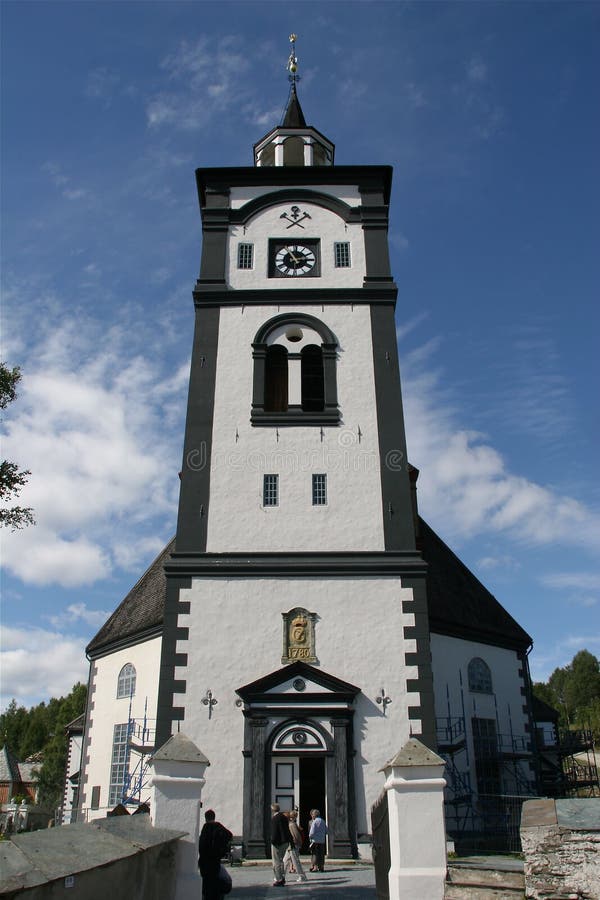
x: 298, y: 636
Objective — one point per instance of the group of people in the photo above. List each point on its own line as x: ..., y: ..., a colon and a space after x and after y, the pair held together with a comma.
x: 286, y: 840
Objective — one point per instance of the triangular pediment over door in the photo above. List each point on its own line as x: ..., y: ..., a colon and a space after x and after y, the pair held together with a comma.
x: 299, y: 683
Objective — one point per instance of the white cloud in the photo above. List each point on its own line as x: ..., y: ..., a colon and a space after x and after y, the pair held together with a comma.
x: 79, y: 612
x: 38, y: 555
x: 89, y: 424
x: 38, y: 663
x: 101, y: 84
x: 505, y: 562
x: 476, y: 70
x: 586, y: 581
x: 207, y: 76
x: 399, y: 240
x: 416, y: 95
x: 467, y: 487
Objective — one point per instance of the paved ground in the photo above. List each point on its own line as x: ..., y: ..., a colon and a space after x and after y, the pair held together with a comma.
x: 337, y: 882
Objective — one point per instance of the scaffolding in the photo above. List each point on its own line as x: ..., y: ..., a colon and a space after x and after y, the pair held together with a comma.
x: 141, y: 735
x: 489, y: 774
x: 567, y: 763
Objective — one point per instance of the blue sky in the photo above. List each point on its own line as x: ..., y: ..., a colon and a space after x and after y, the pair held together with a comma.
x: 488, y: 113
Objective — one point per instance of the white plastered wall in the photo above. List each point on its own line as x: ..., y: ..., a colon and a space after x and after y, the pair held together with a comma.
x: 107, y: 710
x: 235, y: 630
x: 242, y: 453
x: 323, y: 224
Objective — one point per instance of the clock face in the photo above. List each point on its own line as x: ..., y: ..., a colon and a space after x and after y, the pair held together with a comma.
x: 289, y: 260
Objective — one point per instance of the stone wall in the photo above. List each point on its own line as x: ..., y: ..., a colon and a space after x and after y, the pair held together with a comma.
x: 561, y: 843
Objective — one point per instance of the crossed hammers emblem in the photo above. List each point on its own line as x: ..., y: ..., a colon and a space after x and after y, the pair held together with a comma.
x: 295, y: 218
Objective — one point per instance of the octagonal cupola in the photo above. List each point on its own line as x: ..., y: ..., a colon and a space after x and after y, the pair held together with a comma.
x: 293, y: 142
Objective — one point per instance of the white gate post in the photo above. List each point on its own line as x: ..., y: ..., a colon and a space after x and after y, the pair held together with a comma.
x: 177, y: 784
x: 415, y: 789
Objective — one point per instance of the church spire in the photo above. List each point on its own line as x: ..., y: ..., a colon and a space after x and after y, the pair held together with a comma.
x: 293, y: 116
x: 293, y: 143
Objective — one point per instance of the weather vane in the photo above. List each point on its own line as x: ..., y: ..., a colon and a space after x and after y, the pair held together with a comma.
x: 292, y: 63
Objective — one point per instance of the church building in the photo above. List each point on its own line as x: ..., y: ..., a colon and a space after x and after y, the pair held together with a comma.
x: 304, y: 622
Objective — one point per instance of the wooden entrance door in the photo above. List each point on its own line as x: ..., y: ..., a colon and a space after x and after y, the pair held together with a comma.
x: 285, y: 782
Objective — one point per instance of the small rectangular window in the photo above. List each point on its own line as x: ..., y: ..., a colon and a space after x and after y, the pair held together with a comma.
x: 342, y: 254
x: 319, y: 490
x: 271, y: 490
x: 96, y: 797
x: 245, y: 256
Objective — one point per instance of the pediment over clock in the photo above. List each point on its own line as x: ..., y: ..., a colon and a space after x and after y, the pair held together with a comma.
x: 298, y: 683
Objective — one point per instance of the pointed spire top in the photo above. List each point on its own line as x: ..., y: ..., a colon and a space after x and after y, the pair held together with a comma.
x: 293, y: 142
x: 292, y: 63
x: 293, y: 116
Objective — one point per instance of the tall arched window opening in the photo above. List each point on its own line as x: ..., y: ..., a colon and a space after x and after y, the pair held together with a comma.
x: 293, y: 152
x: 276, y: 379
x: 126, y: 681
x: 294, y: 381
x: 313, y: 381
x: 480, y: 676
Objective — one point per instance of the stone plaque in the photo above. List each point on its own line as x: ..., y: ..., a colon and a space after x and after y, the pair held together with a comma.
x: 299, y: 636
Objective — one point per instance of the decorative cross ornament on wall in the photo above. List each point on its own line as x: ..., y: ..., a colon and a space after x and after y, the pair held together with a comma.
x: 295, y: 217
x: 210, y: 701
x: 383, y: 699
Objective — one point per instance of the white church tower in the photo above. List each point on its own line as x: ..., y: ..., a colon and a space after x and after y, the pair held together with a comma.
x: 295, y: 648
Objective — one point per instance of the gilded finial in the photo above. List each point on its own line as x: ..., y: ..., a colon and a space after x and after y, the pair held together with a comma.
x: 292, y: 63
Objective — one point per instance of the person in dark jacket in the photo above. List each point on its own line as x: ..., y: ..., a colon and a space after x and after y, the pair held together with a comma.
x: 212, y: 847
x: 281, y: 839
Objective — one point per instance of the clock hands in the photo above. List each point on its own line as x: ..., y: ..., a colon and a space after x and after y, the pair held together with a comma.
x: 295, y: 258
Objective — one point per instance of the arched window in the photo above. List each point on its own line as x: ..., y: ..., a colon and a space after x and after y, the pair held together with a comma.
x: 480, y: 676
x: 126, y: 682
x: 295, y: 359
x: 267, y: 156
x: 276, y: 379
x: 312, y: 379
x: 293, y: 151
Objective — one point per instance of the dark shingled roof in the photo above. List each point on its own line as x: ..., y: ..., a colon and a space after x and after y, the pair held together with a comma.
x: 293, y: 116
x: 141, y: 612
x: 542, y: 711
x: 459, y: 605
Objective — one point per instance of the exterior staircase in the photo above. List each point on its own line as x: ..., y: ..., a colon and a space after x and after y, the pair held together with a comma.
x: 485, y: 878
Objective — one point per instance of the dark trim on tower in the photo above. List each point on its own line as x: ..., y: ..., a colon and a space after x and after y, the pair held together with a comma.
x: 300, y: 563
x: 195, y: 470
x: 372, y: 294
x: 220, y: 180
x: 419, y: 632
x: 398, y: 526
x: 166, y: 712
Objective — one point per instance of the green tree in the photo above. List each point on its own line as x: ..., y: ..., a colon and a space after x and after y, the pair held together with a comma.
x: 13, y: 724
x: 574, y: 691
x: 12, y: 478
x: 51, y: 775
x: 41, y: 729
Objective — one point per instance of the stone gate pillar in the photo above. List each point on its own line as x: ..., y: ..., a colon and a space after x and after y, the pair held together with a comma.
x: 177, y: 782
x: 415, y: 789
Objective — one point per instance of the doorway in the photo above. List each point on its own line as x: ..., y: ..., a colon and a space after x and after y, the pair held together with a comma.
x: 312, y: 792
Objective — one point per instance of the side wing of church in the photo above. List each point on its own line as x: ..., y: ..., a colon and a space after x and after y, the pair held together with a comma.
x: 304, y: 622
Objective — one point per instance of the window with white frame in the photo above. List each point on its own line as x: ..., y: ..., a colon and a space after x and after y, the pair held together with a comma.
x: 245, y: 259
x: 480, y: 676
x: 270, y: 490
x: 341, y: 250
x: 126, y: 682
x: 119, y: 766
x: 319, y: 490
